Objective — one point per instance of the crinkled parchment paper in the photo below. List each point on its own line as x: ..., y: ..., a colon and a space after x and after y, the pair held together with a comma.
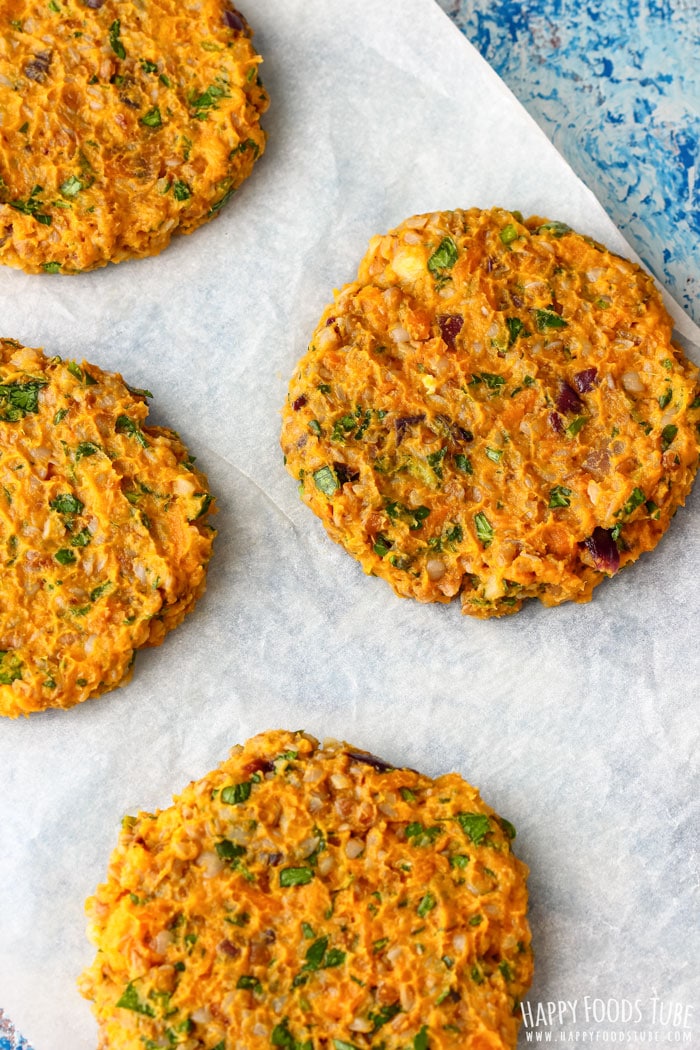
x: 577, y: 723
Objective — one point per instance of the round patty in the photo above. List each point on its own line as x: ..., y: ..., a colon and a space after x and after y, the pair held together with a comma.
x: 122, y: 124
x: 312, y: 898
x: 494, y: 409
x: 103, y: 525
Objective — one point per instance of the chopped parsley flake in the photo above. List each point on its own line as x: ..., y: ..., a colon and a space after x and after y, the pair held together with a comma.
x: 443, y: 258
x: 234, y: 794
x: 17, y: 399
x: 130, y: 1001
x: 484, y: 529
x: 64, y: 556
x: 181, y: 191
x: 152, y: 119
x: 668, y: 435
x: 549, y: 319
x: 559, y: 496
x: 115, y: 42
x: 124, y: 425
x: 476, y: 826
x: 67, y: 503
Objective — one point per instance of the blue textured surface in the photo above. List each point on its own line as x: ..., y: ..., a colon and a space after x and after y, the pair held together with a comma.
x: 615, y: 84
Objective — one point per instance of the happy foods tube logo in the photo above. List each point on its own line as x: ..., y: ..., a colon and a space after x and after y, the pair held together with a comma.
x: 596, y: 1020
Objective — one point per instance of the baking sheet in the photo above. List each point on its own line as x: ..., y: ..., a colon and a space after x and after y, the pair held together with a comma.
x: 577, y: 723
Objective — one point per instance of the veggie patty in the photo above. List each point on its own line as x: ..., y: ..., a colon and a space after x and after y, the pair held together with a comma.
x: 122, y: 123
x: 312, y: 897
x: 493, y: 409
x: 103, y: 525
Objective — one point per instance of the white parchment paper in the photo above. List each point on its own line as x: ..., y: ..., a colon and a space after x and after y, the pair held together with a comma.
x: 578, y: 723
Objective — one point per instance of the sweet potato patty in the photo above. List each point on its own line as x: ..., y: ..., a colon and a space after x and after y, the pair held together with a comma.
x: 103, y: 524
x: 494, y: 409
x: 122, y: 123
x: 312, y: 898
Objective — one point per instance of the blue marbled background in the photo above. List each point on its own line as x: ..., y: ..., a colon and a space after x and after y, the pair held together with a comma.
x: 615, y: 84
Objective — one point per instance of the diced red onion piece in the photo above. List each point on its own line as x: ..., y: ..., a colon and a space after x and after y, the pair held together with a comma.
x: 586, y: 380
x: 450, y: 327
x: 555, y: 422
x: 299, y: 403
x: 602, y: 548
x: 233, y: 20
x: 567, y: 398
x: 404, y: 422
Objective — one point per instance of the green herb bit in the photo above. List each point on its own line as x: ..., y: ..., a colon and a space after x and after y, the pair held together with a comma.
x: 10, y: 667
x: 420, y: 1042
x: 281, y: 1036
x: 315, y: 427
x: 435, y: 461
x: 227, y: 850
x: 509, y: 234
x: 695, y: 403
x: 307, y: 931
x: 576, y: 425
x: 64, y: 556
x: 220, y: 203
x: 202, y: 103
x: 115, y: 39
x: 85, y: 448
x: 508, y: 828
x: 326, y: 481
x: 476, y: 920
x: 484, y: 529
x: 635, y: 500
x: 463, y: 463
x: 19, y: 399
x: 379, y: 944
x: 408, y: 795
x: 51, y: 267
x: 243, y: 146
x: 250, y: 983
x: 234, y: 794
x: 476, y: 826
x: 130, y: 1001
x: 549, y: 319
x: 98, y: 591
x: 124, y: 425
x: 343, y: 427
x: 476, y: 975
x: 426, y: 904
x: 557, y: 229
x: 181, y: 191
x: 296, y: 876
x: 152, y: 119
x: 67, y: 503
x: 419, y: 835
x: 82, y: 538
x: 493, y: 382
x: 668, y: 435
x: 559, y: 496
x: 506, y: 971
x: 494, y: 454
x: 32, y: 206
x: 443, y: 258
x: 382, y: 545
x: 516, y: 329
x: 384, y: 1015
x: 459, y: 860
x: 148, y: 66
x: 665, y: 398
x: 71, y: 187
